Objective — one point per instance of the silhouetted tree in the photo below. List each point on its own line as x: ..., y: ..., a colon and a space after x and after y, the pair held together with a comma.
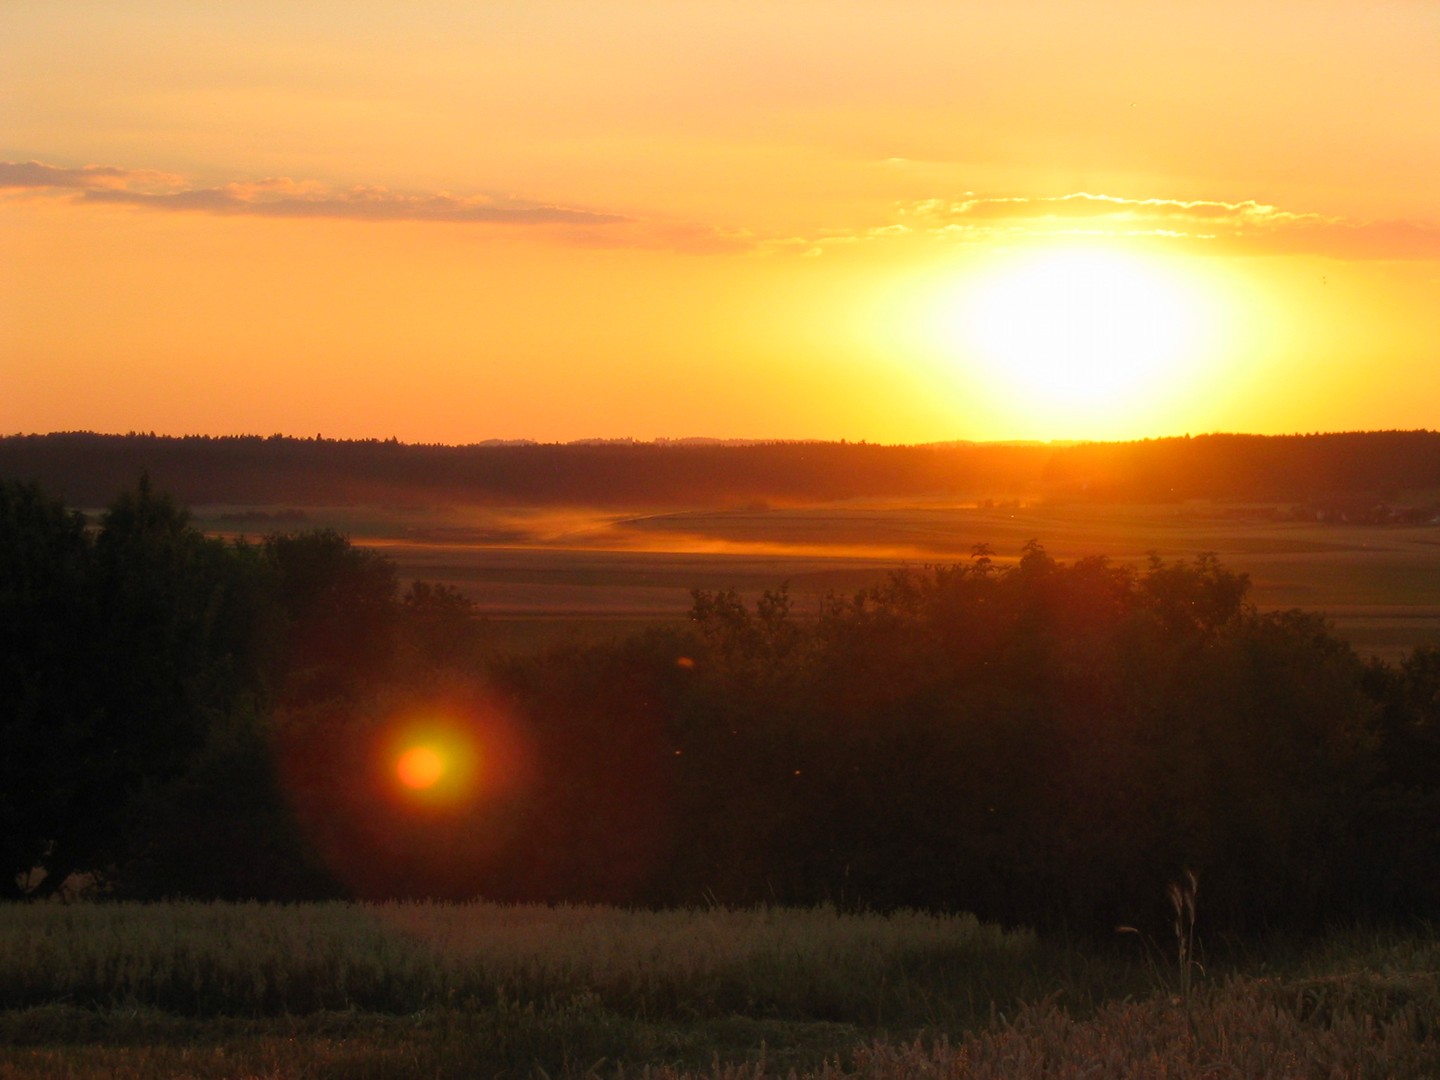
x: 440, y: 625
x: 341, y: 609
x: 128, y: 660
x: 47, y: 707
x: 1044, y: 743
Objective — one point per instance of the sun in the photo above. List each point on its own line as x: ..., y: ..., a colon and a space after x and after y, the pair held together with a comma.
x: 1079, y: 333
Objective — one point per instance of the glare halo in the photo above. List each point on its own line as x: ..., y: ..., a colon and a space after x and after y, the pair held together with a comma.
x: 1080, y: 333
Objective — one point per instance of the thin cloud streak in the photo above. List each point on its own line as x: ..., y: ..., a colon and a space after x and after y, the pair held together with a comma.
x: 1083, y: 204
x: 38, y: 175
x: 365, y: 205
x: 282, y: 197
x: 1247, y: 227
x: 286, y: 198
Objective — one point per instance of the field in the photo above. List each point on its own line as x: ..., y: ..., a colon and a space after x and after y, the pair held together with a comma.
x: 541, y: 576
x: 475, y: 990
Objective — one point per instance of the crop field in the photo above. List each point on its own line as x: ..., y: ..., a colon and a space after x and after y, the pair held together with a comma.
x: 540, y: 576
x: 479, y: 990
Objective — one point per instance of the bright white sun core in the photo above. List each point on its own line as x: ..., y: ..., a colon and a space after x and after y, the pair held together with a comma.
x: 1079, y: 332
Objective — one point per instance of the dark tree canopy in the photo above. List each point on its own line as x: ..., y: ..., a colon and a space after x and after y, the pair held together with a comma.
x: 340, y: 605
x: 46, y: 623
x: 1033, y: 743
x: 122, y: 657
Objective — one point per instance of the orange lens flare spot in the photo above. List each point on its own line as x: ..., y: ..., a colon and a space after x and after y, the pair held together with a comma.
x: 420, y: 767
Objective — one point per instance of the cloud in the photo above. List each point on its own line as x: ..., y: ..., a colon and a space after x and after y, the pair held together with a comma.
x: 1203, y: 226
x: 285, y: 197
x: 282, y: 197
x: 1244, y: 227
x: 1082, y: 205
x: 366, y: 204
x: 37, y: 175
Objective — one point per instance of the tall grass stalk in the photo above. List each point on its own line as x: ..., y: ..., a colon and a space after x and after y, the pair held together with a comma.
x: 1181, y: 895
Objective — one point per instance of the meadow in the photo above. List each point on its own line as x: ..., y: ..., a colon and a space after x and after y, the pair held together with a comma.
x: 399, y: 990
x: 539, y: 576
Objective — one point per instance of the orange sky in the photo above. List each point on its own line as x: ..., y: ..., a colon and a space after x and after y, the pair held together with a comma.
x: 454, y: 221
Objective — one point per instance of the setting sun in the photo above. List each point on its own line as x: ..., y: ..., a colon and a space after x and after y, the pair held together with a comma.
x: 1081, y: 332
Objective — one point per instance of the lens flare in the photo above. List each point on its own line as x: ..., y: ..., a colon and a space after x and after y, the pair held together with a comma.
x: 420, y: 767
x: 433, y: 763
x: 415, y: 798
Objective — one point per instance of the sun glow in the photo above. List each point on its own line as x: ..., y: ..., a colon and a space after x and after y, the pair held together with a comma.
x: 1081, y: 336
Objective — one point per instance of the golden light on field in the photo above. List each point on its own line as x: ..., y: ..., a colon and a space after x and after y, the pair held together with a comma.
x: 1082, y: 335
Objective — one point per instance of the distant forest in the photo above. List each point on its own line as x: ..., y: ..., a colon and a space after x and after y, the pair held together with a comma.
x: 86, y: 469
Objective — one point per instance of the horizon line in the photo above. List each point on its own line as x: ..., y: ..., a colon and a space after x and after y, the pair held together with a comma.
x: 698, y: 441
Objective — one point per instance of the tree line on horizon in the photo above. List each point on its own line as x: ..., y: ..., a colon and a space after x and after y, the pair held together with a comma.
x: 86, y: 469
x: 1042, y: 743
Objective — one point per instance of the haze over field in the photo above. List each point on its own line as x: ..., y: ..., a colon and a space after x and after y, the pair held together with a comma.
x: 449, y: 222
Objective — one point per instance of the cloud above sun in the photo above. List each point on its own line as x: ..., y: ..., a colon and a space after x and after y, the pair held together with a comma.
x: 1241, y: 227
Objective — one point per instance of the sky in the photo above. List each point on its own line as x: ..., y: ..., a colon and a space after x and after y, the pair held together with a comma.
x: 904, y: 222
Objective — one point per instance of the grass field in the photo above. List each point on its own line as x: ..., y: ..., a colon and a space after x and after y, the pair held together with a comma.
x: 545, y: 576
x: 478, y: 990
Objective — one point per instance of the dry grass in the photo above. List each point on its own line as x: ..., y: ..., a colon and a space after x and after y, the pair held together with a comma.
x: 1247, y: 1029
x: 249, y: 959
x: 421, y: 990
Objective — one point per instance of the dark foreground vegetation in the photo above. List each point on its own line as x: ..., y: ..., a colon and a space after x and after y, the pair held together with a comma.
x: 149, y: 992
x: 1340, y: 473
x: 1047, y: 745
x: 1042, y: 744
